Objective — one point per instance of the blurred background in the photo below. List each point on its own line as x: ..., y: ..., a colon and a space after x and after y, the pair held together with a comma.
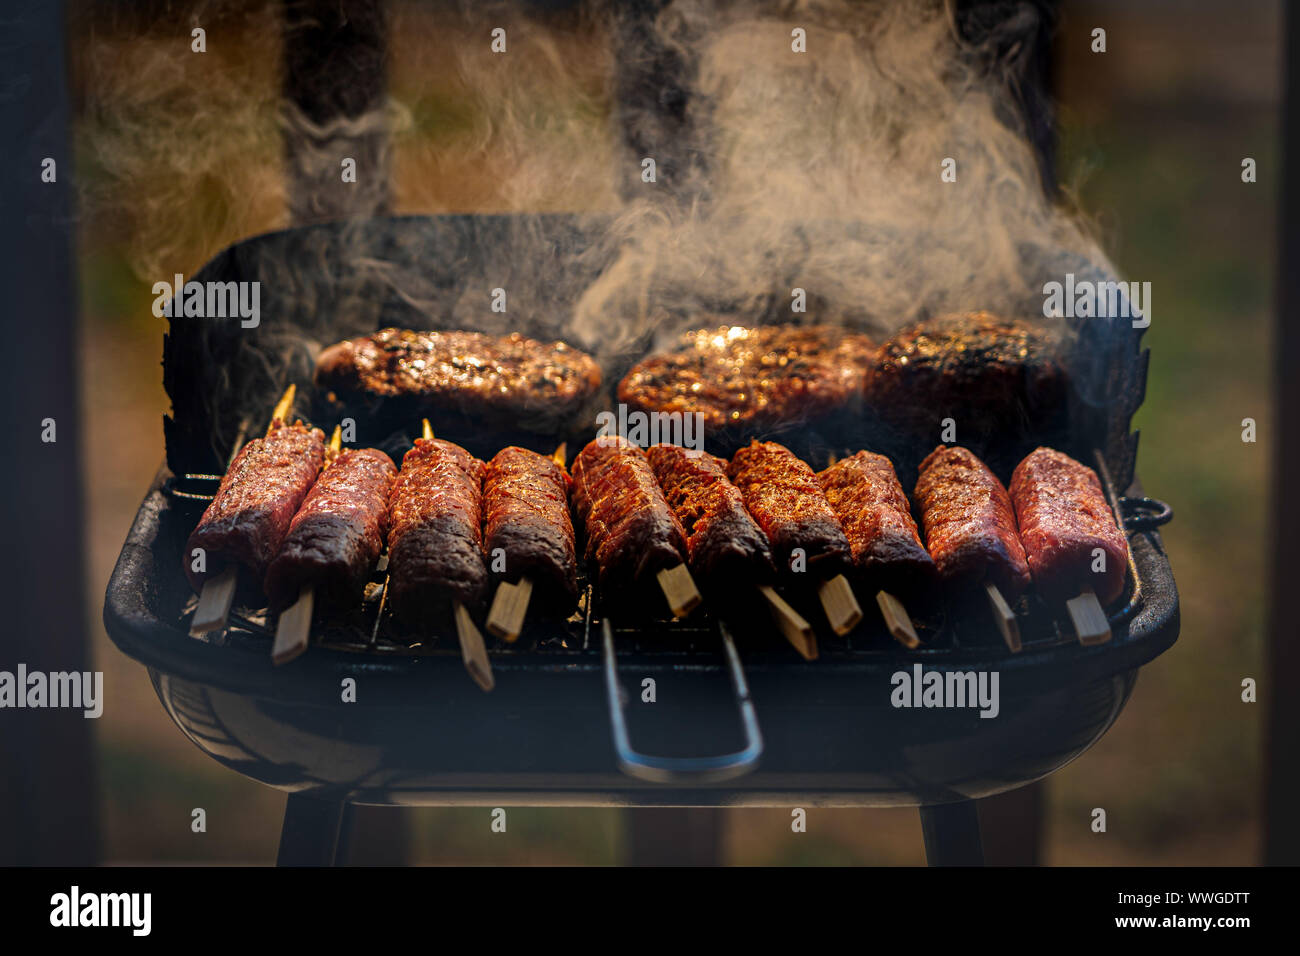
x: 1152, y: 135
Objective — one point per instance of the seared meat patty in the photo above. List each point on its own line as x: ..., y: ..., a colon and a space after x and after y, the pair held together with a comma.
x: 506, y: 381
x: 753, y: 378
x: 998, y: 380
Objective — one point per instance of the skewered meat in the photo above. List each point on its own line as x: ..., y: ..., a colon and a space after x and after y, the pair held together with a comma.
x: 877, y: 520
x: 526, y: 515
x: 337, y: 534
x: 248, y: 518
x: 970, y: 527
x: 494, y: 380
x: 754, y: 378
x: 435, y: 540
x: 724, y: 544
x: 1063, y: 516
x: 998, y: 380
x: 631, y: 532
x: 784, y: 497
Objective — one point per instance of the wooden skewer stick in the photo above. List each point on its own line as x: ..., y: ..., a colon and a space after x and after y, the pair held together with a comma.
x: 283, y: 408
x: 1088, y: 618
x: 214, y: 602
x: 679, y: 589
x: 897, y: 620
x: 509, y: 607
x: 218, y: 592
x: 510, y: 604
x: 472, y: 649
x: 1003, y: 617
x: 841, y: 607
x: 791, y: 623
x: 293, y: 629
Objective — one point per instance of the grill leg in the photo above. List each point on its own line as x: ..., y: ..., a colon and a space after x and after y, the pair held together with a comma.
x: 952, y: 834
x: 674, y: 836
x: 310, y: 835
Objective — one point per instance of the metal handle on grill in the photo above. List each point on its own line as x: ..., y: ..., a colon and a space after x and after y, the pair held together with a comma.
x: 1143, y: 514
x: 682, y: 770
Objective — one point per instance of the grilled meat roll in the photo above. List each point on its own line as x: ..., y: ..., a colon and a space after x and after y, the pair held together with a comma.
x: 753, y: 378
x: 877, y: 520
x: 495, y: 381
x: 526, y: 515
x: 630, y: 530
x: 1063, y: 515
x: 247, y: 520
x: 784, y: 497
x: 435, y: 538
x: 970, y: 526
x: 998, y: 380
x: 724, y: 545
x: 337, y: 534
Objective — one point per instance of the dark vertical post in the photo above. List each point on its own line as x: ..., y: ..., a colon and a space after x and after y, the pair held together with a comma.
x: 335, y: 80
x: 1279, y: 683
x: 952, y: 834
x: 674, y: 836
x: 48, y: 797
x: 1012, y: 826
x: 310, y: 835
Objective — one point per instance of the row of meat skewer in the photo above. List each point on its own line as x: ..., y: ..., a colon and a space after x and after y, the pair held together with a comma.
x: 309, y: 521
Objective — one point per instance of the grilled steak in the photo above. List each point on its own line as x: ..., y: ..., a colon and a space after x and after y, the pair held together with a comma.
x: 435, y: 540
x: 630, y: 530
x: 996, y: 379
x: 725, y: 546
x: 248, y: 518
x: 753, y: 378
x: 784, y: 497
x: 1063, y: 516
x: 877, y: 520
x: 526, y: 515
x: 337, y: 534
x: 970, y: 527
x: 496, y: 381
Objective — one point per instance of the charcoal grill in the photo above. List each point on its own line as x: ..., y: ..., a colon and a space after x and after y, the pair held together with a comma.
x: 739, y: 719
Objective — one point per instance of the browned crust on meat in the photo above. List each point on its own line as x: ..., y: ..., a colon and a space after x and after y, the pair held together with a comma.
x: 493, y: 379
x: 992, y: 375
x: 630, y: 530
x: 1063, y: 516
x: 970, y: 526
x: 435, y: 542
x: 337, y: 535
x: 247, y: 520
x: 877, y: 519
x: 526, y: 516
x: 726, y: 548
x: 784, y: 497
x: 753, y: 377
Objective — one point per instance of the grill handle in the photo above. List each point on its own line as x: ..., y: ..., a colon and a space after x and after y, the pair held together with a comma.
x: 1144, y: 514
x: 688, y: 771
